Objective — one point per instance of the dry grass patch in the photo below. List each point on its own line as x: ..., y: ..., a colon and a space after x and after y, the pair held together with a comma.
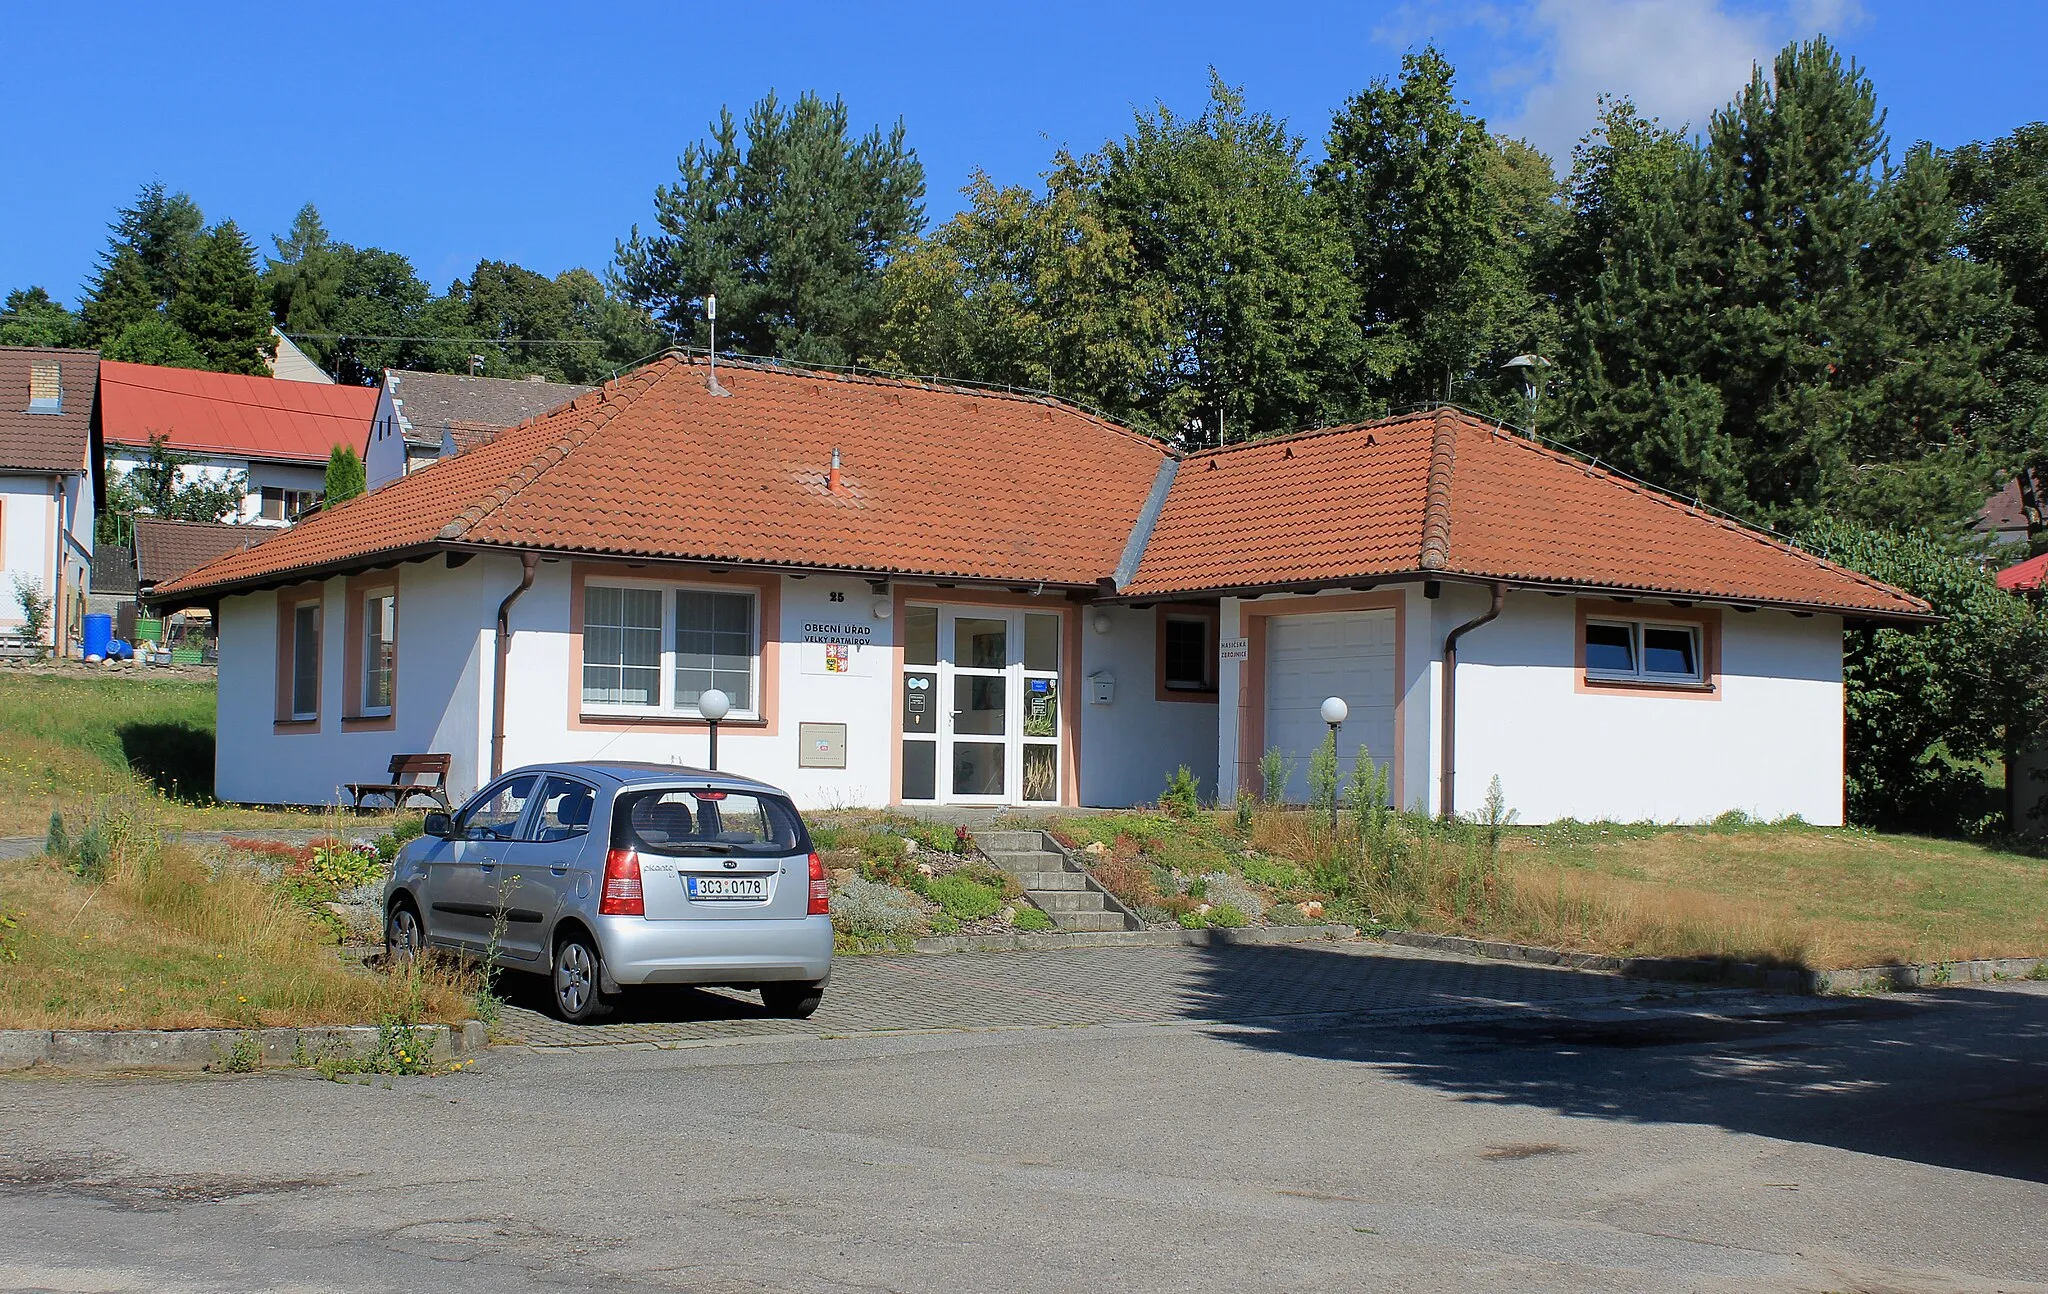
x: 162, y: 937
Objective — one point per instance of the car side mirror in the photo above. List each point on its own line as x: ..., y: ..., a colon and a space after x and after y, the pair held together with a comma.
x: 439, y: 827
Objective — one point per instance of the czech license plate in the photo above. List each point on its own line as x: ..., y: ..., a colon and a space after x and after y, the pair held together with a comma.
x: 728, y: 887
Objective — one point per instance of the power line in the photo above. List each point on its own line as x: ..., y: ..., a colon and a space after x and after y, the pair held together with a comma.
x: 451, y: 341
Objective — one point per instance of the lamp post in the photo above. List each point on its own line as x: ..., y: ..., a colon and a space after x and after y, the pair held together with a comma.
x: 1335, y: 712
x: 1531, y: 367
x: 713, y: 705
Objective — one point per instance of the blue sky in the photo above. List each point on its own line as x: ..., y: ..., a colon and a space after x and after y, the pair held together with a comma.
x: 536, y: 132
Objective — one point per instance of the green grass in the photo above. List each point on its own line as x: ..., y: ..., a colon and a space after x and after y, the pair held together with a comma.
x: 1786, y: 891
x: 68, y: 735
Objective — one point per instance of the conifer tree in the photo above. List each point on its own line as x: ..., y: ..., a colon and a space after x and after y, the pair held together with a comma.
x: 345, y: 476
x: 791, y: 231
x: 150, y: 246
x: 220, y: 304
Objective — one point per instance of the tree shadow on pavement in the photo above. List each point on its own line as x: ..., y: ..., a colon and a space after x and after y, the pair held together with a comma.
x: 1956, y: 1078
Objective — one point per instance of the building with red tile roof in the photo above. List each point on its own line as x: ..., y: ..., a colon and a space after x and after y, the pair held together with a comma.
x: 273, y: 434
x: 916, y: 592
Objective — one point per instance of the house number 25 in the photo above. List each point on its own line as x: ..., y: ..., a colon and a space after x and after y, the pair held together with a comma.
x: 837, y: 596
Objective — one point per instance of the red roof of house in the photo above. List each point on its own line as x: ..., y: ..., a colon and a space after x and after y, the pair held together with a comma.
x: 947, y: 482
x: 1446, y: 494
x: 2024, y: 576
x: 46, y: 442
x: 230, y: 415
x: 939, y: 481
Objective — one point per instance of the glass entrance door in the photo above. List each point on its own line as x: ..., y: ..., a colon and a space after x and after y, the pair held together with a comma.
x: 981, y: 696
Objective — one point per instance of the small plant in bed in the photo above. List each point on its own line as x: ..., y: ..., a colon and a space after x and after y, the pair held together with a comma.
x: 964, y: 898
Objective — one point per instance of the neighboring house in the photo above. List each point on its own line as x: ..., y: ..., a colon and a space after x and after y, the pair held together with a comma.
x: 290, y: 364
x: 50, y: 486
x: 2003, y: 516
x: 915, y: 593
x: 111, y: 590
x: 424, y: 417
x: 277, y: 434
x: 166, y: 549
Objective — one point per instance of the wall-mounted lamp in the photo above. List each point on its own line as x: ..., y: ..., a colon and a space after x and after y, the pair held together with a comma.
x: 883, y: 607
x: 1101, y: 623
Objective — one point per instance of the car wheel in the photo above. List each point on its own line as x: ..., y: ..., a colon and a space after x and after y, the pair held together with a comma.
x: 405, y: 939
x: 577, y: 979
x: 794, y: 1001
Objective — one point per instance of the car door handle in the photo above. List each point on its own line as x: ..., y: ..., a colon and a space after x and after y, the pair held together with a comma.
x: 559, y: 869
x: 486, y: 867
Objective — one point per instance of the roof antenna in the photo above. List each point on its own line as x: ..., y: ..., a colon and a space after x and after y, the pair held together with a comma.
x: 711, y: 317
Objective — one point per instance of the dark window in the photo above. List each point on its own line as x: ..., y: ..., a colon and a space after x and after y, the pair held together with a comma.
x: 495, y: 814
x: 280, y: 504
x: 1670, y: 652
x: 706, y: 821
x: 306, y: 661
x: 1190, y: 657
x: 920, y: 770
x: 564, y: 810
x: 1611, y: 649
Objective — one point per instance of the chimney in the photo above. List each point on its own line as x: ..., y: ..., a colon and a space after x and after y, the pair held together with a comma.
x: 45, y: 387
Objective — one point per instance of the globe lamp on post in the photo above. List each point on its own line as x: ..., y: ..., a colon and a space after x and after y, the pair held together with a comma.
x: 715, y: 705
x: 1335, y: 712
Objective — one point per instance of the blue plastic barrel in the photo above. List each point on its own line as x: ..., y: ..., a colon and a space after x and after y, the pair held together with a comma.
x: 99, y: 631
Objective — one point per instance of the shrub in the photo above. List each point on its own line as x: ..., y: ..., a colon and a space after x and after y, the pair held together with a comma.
x: 865, y: 909
x: 1274, y: 771
x: 1128, y: 879
x: 1274, y: 873
x: 1228, y: 916
x: 1031, y: 919
x: 1182, y: 797
x: 35, y: 607
x: 884, y: 861
x: 1244, y: 814
x: 963, y: 897
x: 1322, y: 779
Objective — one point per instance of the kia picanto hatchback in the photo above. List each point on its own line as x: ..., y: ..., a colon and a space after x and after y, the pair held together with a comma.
x: 607, y: 876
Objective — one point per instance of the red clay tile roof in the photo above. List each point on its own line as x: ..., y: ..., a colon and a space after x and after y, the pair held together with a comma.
x: 166, y: 549
x: 47, y: 442
x: 938, y: 481
x: 2024, y: 576
x: 1447, y: 494
x: 230, y: 415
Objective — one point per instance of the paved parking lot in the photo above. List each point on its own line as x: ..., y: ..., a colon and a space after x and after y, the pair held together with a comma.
x: 1093, y: 986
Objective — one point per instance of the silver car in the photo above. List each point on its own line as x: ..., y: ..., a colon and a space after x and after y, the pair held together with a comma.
x: 604, y: 876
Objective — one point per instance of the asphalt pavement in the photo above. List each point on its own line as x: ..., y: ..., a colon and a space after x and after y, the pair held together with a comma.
x: 1256, y: 1119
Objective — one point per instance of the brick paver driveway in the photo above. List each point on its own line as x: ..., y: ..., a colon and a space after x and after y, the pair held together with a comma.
x: 1232, y: 984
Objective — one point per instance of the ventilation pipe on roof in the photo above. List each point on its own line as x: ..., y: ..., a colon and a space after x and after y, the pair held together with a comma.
x: 832, y: 484
x: 1448, y: 760
x: 527, y: 562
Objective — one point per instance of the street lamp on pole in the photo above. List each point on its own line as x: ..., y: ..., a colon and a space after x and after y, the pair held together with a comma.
x: 713, y: 705
x: 1335, y: 712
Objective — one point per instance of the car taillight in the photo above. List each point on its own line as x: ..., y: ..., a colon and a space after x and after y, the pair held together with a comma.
x: 821, y: 889
x: 622, y: 896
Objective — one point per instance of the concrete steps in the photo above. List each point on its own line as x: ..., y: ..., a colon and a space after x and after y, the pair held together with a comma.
x: 1064, y: 893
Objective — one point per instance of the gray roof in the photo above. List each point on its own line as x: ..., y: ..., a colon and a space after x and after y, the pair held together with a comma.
x: 431, y: 403
x: 166, y: 549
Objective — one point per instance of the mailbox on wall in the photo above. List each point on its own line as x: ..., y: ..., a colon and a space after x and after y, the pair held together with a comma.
x: 821, y: 745
x: 1101, y: 688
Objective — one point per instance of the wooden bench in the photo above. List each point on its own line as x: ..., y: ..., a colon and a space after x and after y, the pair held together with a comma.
x: 404, y: 766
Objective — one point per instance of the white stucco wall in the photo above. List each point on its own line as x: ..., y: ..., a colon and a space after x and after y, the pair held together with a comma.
x: 256, y: 474
x: 1132, y: 745
x: 384, y: 459
x: 442, y: 705
x: 537, y: 711
x: 27, y: 523
x: 1767, y: 742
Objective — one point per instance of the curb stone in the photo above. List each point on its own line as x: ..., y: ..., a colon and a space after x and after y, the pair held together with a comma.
x: 117, y: 1050
x: 1713, y: 970
x: 1134, y: 939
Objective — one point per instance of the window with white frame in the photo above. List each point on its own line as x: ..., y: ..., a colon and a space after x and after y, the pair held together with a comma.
x: 380, y: 652
x: 657, y: 648
x: 1644, y: 651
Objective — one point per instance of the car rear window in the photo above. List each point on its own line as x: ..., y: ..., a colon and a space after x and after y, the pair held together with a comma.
x: 706, y: 821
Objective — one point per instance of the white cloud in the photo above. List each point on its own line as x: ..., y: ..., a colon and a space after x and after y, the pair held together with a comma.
x: 1678, y: 59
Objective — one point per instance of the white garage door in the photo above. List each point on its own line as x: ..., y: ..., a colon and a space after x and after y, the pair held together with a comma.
x: 1348, y: 654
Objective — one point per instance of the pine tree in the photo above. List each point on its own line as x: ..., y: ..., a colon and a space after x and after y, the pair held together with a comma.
x: 306, y: 279
x: 791, y: 232
x: 150, y: 247
x: 1782, y: 324
x: 220, y: 304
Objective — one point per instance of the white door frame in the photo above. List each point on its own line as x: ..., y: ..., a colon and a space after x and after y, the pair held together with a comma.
x: 1017, y: 682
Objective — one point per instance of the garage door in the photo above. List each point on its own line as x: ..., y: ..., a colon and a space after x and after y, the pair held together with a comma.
x: 1308, y: 658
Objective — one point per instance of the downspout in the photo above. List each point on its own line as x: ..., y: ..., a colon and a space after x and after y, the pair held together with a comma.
x: 1448, y: 760
x: 528, y: 562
